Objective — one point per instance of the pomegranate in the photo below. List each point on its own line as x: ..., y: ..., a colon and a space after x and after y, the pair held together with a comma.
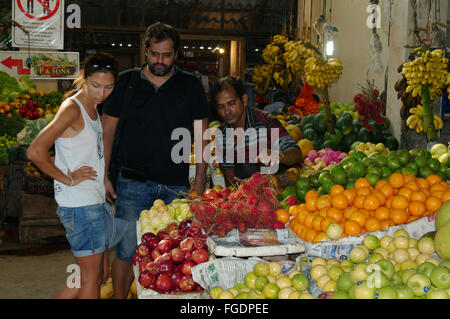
x: 187, y: 283
x: 177, y: 255
x: 200, y: 256
x: 163, y: 283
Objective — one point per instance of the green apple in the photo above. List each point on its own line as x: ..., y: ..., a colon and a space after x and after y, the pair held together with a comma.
x: 386, y: 293
x: 294, y: 295
x: 339, y: 295
x: 371, y: 242
x: 250, y: 280
x: 413, y: 253
x: 215, y: 292
x: 401, y: 242
x: 377, y: 279
x: 359, y: 273
x: 440, y: 277
x: 283, y: 281
x: 386, y: 267
x: 261, y: 268
x: 396, y: 279
x: 333, y: 262
x: 330, y: 286
x: 344, y: 283
x: 400, y: 255
x: 272, y: 278
x: 381, y: 251
x: 413, y: 243
x: 261, y: 282
x: 318, y: 261
x: 420, y: 283
x: 408, y: 264
x: 234, y: 291
x: 391, y: 247
x: 437, y: 293
x: 271, y: 291
x: 335, y: 272
x: 362, y: 291
x: 255, y: 294
x: 445, y: 264
x: 385, y: 241
x: 404, y: 292
x: 300, y: 282
x: 226, y: 294
x: 374, y: 258
x: 358, y: 255
x: 351, y: 292
x: 346, y: 262
x: 426, y: 245
x: 426, y: 268
x: 364, y: 248
x: 285, y: 292
x: 318, y: 271
x: 347, y: 268
x: 434, y: 261
x: 239, y: 286
x: 422, y: 258
x: 293, y: 273
x: 323, y: 280
x: 401, y: 232
x: 242, y: 295
x: 406, y: 274
x: 274, y: 268
x: 306, y: 295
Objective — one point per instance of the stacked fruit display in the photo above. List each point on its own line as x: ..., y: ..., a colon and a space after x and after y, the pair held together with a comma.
x: 318, y: 160
x: 369, y: 148
x: 166, y: 259
x: 321, y: 72
x: 160, y: 215
x: 266, y: 281
x: 364, y: 208
x: 34, y: 104
x: 441, y: 153
x: 398, y: 267
x: 339, y: 108
x: 252, y: 205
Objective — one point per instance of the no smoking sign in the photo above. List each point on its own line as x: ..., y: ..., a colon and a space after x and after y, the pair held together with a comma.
x: 38, y: 9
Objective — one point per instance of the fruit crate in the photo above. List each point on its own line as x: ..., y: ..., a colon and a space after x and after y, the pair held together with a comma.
x: 145, y: 293
x: 256, y: 243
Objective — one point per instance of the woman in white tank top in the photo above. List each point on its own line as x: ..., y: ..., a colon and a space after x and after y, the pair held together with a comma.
x: 78, y: 171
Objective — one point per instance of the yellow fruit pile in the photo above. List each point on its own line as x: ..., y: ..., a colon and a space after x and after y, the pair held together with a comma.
x: 320, y: 72
x: 295, y: 56
x: 430, y: 68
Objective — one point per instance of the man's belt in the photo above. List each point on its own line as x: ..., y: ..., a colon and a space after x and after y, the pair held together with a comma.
x: 132, y: 174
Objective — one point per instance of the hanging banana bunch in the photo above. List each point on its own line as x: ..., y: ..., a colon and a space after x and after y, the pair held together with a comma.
x: 426, y: 77
x: 416, y: 120
x: 320, y: 72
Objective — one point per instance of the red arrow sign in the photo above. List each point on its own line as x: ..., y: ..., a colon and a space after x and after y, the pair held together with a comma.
x: 9, y: 63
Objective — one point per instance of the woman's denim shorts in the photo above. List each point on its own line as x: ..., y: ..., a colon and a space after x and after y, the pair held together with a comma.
x: 85, y: 229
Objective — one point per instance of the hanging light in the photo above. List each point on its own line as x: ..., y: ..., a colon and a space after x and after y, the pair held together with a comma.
x: 329, y: 48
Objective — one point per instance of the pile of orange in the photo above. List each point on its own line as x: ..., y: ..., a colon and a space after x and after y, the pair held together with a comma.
x: 401, y: 199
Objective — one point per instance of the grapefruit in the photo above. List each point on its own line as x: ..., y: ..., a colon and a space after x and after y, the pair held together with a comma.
x: 442, y: 241
x: 442, y: 215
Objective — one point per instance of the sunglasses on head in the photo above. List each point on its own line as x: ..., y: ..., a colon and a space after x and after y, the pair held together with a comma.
x: 98, y: 64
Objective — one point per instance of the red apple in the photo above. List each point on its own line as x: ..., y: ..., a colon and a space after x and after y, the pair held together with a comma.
x: 172, y: 226
x: 185, y: 224
x: 186, y: 268
x: 162, y: 234
x: 176, y: 236
x: 165, y: 245
x: 164, y: 283
x: 187, y: 283
x: 176, y: 277
x: 165, y: 256
x: 166, y: 267
x: 146, y: 279
x: 137, y: 258
x: 155, y: 253
x: 152, y: 242
x: 200, y: 256
x: 199, y: 243
x: 195, y: 232
x: 144, y: 262
x: 187, y: 245
x: 177, y: 255
x: 143, y: 249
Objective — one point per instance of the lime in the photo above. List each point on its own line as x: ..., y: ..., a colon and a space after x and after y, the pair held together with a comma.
x: 327, y: 186
x: 301, y: 195
x: 302, y: 183
x: 380, y: 160
x: 348, y: 160
x: 421, y: 161
x: 314, y: 180
x: 425, y: 172
x: 403, y: 157
x: 321, y: 191
x: 373, y: 179
x: 412, y: 164
x: 357, y: 170
x: 393, y: 164
x: 368, y: 161
x: 324, y: 177
x: 374, y: 170
x: 290, y: 190
x: 392, y: 155
x: 386, y: 172
x: 447, y: 173
x: 441, y: 175
x: 409, y: 170
x: 339, y: 175
x: 359, y: 155
x: 426, y: 154
x: 350, y: 185
x: 374, y: 154
x: 414, y: 152
x: 434, y: 164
